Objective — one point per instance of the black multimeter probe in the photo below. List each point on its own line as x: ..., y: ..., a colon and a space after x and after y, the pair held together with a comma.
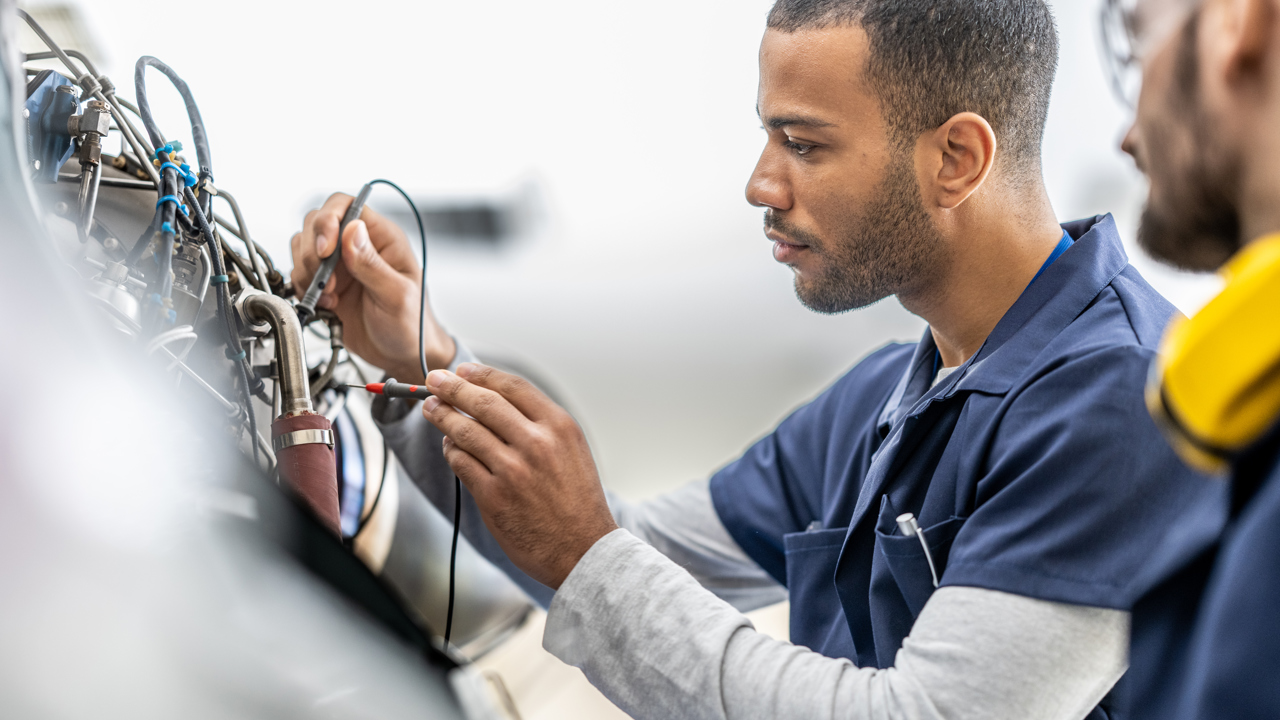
x: 393, y: 389
x: 307, y: 306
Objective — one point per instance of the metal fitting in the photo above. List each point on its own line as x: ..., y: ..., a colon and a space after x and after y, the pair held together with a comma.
x: 89, y: 83
x: 256, y: 307
x: 116, y: 272
x: 250, y: 327
x: 95, y: 118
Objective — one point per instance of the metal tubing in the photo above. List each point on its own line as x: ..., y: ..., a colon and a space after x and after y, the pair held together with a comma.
x: 254, y: 260
x: 235, y: 232
x: 57, y: 51
x: 89, y: 180
x: 128, y: 130
x: 112, y: 182
x: 207, y: 261
x: 291, y: 361
x: 88, y: 64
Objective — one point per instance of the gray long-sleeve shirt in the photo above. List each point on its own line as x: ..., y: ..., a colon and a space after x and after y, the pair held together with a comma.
x: 652, y: 615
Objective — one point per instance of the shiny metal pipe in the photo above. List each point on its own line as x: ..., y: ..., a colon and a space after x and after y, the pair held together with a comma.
x: 130, y: 135
x: 89, y: 181
x: 206, y: 274
x: 291, y: 360
x: 255, y: 261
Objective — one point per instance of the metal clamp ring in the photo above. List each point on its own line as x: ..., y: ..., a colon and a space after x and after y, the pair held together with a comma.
x: 303, y: 437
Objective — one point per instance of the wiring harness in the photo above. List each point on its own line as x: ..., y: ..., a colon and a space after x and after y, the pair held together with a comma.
x: 185, y: 226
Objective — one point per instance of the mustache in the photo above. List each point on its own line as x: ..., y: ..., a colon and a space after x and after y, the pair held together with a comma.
x: 777, y: 223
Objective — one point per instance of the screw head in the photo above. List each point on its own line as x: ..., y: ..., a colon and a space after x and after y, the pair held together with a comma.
x: 26, y: 113
x: 37, y: 164
x: 111, y: 244
x: 61, y: 209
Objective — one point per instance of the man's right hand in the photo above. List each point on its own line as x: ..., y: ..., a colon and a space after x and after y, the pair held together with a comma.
x: 374, y: 290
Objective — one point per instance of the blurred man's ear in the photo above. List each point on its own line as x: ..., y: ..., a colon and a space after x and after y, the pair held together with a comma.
x: 955, y: 159
x: 1246, y: 29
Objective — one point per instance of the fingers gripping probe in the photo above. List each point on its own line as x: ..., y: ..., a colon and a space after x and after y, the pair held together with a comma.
x: 307, y: 307
x: 908, y: 526
x: 393, y: 389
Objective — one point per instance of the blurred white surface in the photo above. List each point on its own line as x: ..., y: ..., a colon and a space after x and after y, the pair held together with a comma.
x: 647, y: 298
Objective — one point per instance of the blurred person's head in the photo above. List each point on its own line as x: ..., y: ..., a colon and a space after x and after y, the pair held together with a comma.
x: 896, y: 130
x: 1205, y: 128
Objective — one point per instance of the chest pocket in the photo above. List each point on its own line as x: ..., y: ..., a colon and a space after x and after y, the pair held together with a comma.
x: 904, y: 557
x: 817, y: 618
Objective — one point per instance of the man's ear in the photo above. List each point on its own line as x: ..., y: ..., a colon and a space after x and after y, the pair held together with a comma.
x: 955, y: 159
x: 1250, y: 30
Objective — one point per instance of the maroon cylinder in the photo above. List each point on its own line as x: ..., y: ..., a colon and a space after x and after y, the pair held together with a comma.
x: 309, y: 470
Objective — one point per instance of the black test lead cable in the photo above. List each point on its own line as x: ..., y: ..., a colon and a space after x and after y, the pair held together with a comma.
x: 358, y: 206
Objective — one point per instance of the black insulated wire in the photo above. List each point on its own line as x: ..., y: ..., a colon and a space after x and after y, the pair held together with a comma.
x: 422, y: 361
x: 422, y: 304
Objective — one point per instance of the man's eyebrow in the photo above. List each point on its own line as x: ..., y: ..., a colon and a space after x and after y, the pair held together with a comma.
x: 781, y: 121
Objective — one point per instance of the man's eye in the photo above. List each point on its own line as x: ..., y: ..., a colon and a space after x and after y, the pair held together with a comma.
x: 797, y: 148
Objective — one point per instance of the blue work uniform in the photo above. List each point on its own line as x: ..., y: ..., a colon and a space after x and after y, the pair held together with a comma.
x: 1033, y: 469
x: 1206, y: 640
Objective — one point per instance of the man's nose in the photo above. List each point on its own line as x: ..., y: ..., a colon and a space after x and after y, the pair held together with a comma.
x: 1132, y: 144
x: 767, y: 186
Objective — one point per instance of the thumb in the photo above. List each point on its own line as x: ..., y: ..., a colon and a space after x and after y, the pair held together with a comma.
x: 364, y: 263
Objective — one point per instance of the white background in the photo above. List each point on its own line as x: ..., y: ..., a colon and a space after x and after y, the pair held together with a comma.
x: 647, y: 297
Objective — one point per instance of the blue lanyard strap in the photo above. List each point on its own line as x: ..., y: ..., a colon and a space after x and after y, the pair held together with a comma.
x: 1062, y: 246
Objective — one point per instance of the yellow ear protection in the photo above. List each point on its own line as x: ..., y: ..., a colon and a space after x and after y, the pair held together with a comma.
x: 1216, y: 387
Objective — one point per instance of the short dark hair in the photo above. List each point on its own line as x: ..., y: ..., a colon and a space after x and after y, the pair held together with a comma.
x: 931, y: 59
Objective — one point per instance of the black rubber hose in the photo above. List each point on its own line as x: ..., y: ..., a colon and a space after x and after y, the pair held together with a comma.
x: 144, y: 240
x: 198, y: 135
x: 162, y: 283
x: 168, y: 214
x: 234, y: 348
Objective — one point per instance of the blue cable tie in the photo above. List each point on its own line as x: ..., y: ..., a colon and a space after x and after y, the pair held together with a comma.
x: 184, y: 171
x: 173, y: 316
x: 219, y: 279
x: 177, y: 202
x: 155, y: 298
x: 163, y: 152
x: 167, y: 228
x: 235, y: 357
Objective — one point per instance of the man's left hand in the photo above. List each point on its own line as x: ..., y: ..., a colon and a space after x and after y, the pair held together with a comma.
x: 526, y: 462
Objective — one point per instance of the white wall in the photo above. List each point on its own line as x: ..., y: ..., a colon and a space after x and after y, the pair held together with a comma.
x: 650, y: 300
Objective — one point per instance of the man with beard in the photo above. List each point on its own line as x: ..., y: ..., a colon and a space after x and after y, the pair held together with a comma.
x: 1206, y: 641
x: 958, y: 522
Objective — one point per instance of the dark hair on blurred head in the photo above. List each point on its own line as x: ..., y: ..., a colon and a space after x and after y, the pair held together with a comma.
x: 931, y: 59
